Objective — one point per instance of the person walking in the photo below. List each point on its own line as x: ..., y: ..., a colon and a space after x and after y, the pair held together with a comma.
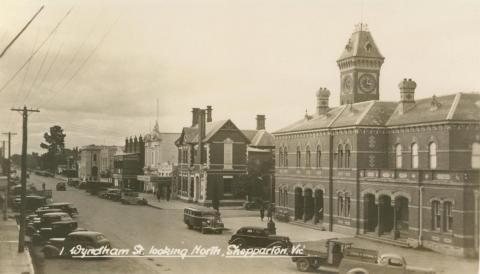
x: 158, y: 194
x: 270, y: 212
x: 262, y: 212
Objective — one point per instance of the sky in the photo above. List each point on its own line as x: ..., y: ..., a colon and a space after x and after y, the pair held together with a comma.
x: 101, y: 72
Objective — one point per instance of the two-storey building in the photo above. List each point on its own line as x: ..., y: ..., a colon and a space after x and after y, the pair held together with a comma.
x: 405, y: 171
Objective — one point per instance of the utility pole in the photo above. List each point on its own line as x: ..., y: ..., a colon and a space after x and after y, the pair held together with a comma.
x: 9, y: 172
x: 21, y: 240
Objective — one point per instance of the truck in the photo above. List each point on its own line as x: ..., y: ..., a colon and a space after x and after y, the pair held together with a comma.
x: 340, y: 257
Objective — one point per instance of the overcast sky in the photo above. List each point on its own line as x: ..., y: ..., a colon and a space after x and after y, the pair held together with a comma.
x: 99, y: 75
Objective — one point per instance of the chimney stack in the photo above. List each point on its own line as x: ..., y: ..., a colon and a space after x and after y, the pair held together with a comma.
x: 260, y: 122
x: 195, y: 116
x: 201, y: 134
x: 209, y: 114
x: 407, y: 94
x: 322, y: 101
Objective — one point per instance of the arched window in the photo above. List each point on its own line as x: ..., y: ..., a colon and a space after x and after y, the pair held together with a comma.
x: 414, y: 155
x: 299, y: 156
x: 340, y: 156
x: 285, y: 158
x: 347, y: 155
x: 340, y: 204
x: 280, y: 196
x: 448, y: 217
x: 280, y: 157
x: 398, y: 156
x: 285, y: 199
x: 307, y: 157
x: 476, y: 155
x: 347, y: 205
x: 436, y: 217
x: 432, y: 155
x: 319, y: 156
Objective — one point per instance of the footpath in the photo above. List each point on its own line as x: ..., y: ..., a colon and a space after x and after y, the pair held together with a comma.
x: 10, y: 260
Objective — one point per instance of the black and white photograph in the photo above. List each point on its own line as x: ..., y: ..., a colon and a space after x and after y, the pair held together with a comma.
x: 239, y: 136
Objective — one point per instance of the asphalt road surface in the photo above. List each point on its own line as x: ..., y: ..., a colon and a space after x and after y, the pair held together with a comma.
x: 128, y: 225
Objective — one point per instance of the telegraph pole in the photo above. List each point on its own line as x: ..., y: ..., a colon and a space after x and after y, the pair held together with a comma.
x: 21, y: 240
x: 9, y: 170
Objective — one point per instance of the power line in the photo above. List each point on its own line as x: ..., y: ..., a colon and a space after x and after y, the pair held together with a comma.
x: 31, y: 56
x: 20, y: 33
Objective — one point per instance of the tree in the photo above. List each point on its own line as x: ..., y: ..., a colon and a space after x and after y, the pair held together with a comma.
x: 55, y: 144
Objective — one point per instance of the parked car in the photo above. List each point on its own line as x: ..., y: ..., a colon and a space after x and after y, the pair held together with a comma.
x: 73, y: 182
x: 203, y: 220
x: 85, y: 239
x: 250, y: 236
x: 112, y: 194
x: 133, y: 198
x: 37, y: 223
x: 58, y: 229
x: 61, y: 186
x: 340, y: 257
x: 33, y: 202
x: 65, y: 207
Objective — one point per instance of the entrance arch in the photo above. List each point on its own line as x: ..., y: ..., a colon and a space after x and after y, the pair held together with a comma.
x: 401, y: 217
x: 318, y: 206
x: 385, y: 214
x: 308, y: 205
x: 370, y: 212
x: 298, y: 203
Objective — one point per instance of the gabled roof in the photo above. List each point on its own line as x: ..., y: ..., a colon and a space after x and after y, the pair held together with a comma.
x: 361, y: 44
x: 191, y: 134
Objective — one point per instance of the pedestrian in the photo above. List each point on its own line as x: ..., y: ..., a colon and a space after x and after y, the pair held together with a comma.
x: 168, y: 194
x: 262, y: 212
x: 271, y: 227
x: 269, y: 212
x: 158, y: 194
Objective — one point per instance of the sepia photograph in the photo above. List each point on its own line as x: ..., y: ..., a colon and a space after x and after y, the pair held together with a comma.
x: 239, y: 136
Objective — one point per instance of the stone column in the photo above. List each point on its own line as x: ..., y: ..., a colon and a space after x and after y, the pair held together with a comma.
x: 378, y: 228
x: 395, y: 231
x: 304, y: 206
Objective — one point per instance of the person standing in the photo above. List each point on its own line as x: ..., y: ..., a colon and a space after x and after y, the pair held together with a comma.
x: 262, y: 212
x: 169, y: 192
x: 158, y: 194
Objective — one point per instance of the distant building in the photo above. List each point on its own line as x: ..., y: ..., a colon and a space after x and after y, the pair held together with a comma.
x: 129, y: 163
x: 161, y: 158
x: 96, y: 162
x: 404, y: 172
x: 212, y: 158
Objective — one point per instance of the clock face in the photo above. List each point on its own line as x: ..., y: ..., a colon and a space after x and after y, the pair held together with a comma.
x: 347, y: 83
x: 367, y: 83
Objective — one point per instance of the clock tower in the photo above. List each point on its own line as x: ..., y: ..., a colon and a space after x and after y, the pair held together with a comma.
x: 359, y: 66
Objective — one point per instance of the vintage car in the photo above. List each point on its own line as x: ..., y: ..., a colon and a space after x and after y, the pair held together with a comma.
x: 61, y: 186
x: 112, y: 194
x: 132, y: 198
x: 58, y: 229
x: 34, y: 225
x: 338, y: 256
x: 250, y: 236
x: 65, y: 207
x: 207, y: 221
x: 43, y: 210
x: 62, y: 246
x: 73, y: 182
x: 33, y: 202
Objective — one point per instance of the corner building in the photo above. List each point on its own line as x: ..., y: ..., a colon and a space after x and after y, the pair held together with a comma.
x: 404, y: 172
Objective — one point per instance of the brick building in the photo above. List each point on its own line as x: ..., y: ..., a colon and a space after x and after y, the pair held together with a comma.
x: 405, y: 171
x: 129, y: 163
x: 212, y: 158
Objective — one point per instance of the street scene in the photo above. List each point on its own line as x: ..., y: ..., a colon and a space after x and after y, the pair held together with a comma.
x: 239, y: 137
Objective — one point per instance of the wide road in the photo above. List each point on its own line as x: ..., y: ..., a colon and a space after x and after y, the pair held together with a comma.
x: 127, y: 225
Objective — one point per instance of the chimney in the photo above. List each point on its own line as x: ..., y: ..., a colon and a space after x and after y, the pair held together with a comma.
x: 209, y: 114
x: 322, y: 101
x: 126, y: 145
x: 201, y: 134
x: 130, y: 145
x: 260, y: 122
x: 195, y: 116
x: 135, y: 145
x: 407, y: 94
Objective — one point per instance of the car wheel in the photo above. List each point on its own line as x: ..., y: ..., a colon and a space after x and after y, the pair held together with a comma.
x: 240, y: 243
x: 204, y: 231
x: 48, y: 253
x: 303, y: 264
x: 190, y: 226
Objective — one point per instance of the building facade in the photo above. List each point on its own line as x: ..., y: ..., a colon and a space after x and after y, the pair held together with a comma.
x: 128, y: 164
x: 212, y: 158
x: 405, y: 171
x: 89, y: 163
x: 161, y: 158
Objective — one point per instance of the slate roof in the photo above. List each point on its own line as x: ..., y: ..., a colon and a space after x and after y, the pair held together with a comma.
x: 357, y: 46
x: 457, y: 107
x: 262, y: 138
